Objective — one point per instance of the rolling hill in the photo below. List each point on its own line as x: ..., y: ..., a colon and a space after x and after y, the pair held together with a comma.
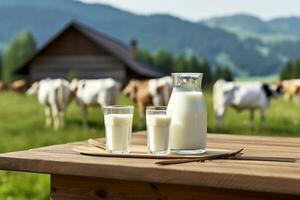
x: 250, y: 56
x: 247, y: 26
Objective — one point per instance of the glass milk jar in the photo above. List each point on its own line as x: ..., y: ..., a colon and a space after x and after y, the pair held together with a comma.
x: 187, y: 108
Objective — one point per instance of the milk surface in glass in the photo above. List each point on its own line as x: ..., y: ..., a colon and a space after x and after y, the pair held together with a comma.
x: 158, y: 133
x: 188, y: 129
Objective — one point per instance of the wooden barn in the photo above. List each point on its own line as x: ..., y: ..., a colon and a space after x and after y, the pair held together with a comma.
x: 78, y: 50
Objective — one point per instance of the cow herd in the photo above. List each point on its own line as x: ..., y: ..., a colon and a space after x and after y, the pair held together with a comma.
x: 56, y: 94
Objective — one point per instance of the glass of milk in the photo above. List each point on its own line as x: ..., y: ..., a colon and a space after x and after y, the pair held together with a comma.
x: 158, y: 124
x: 118, y: 128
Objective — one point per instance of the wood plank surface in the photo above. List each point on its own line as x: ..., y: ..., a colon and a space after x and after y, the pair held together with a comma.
x: 80, y: 188
x: 259, y: 176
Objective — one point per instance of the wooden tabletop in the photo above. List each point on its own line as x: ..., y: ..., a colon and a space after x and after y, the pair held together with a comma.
x: 262, y: 176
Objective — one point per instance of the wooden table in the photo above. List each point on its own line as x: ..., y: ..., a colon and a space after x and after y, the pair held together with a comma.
x: 75, y: 176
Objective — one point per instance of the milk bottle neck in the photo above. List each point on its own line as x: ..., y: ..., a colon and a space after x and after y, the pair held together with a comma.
x: 186, y: 89
x: 187, y: 81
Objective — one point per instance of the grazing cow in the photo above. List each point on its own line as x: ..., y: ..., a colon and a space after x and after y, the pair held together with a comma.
x: 54, y: 94
x: 2, y: 86
x: 251, y: 95
x: 19, y: 86
x: 291, y: 89
x: 101, y: 92
x: 149, y: 92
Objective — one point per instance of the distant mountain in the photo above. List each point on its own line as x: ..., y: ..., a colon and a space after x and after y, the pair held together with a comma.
x: 289, y: 25
x: 210, y: 39
x: 247, y: 26
x: 247, y: 23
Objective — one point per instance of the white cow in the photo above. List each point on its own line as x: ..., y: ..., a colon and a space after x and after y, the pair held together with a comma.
x: 94, y: 92
x: 250, y: 95
x: 160, y: 98
x: 54, y: 94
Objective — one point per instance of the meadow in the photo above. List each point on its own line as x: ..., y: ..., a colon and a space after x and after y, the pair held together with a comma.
x: 22, y: 127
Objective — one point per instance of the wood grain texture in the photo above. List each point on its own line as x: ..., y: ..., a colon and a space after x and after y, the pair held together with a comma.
x: 274, y: 177
x: 79, y: 188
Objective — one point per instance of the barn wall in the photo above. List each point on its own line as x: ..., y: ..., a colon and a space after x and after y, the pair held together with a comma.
x: 82, y: 66
x: 73, y: 53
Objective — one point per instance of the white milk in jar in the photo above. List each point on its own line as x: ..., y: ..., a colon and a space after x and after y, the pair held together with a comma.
x: 188, y: 129
x: 158, y: 133
x: 118, y: 132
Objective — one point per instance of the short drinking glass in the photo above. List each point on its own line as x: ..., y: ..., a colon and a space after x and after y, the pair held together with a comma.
x: 158, y: 124
x: 118, y: 128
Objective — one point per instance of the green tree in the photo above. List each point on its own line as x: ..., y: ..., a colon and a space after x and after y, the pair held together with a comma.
x: 146, y: 56
x: 218, y: 74
x: 291, y: 70
x: 167, y: 63
x: 227, y: 74
x: 223, y: 73
x: 207, y: 73
x: 73, y: 74
x: 1, y: 65
x: 19, y: 50
x: 192, y: 64
x: 202, y: 66
x: 286, y: 72
x: 163, y: 60
x: 180, y: 64
x: 295, y: 71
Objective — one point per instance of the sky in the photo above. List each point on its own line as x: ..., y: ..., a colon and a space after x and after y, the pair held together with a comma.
x: 195, y: 10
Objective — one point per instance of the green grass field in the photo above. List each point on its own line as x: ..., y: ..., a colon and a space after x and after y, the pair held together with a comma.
x: 266, y: 79
x: 22, y: 127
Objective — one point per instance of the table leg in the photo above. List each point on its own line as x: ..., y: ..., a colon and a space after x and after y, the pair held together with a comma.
x: 79, y: 188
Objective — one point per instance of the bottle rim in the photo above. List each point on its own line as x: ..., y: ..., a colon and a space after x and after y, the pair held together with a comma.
x: 186, y: 74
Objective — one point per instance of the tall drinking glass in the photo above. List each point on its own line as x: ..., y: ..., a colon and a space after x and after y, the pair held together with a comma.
x: 118, y: 128
x: 158, y: 123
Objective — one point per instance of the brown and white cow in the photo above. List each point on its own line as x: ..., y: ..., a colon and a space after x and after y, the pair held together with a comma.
x: 2, y: 86
x: 291, y: 89
x: 149, y: 92
x: 19, y: 86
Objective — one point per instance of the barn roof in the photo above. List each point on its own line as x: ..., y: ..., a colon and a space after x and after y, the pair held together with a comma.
x: 112, y: 45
